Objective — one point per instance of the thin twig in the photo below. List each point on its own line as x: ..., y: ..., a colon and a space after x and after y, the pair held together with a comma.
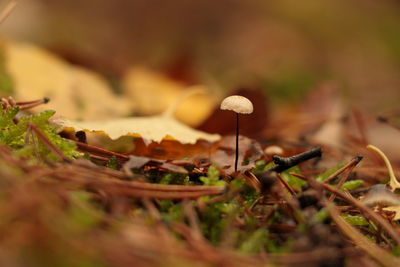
x: 288, y: 162
x: 48, y: 143
x: 97, y: 151
x: 377, y: 253
x: 346, y: 175
x: 287, y: 186
x: 358, y: 204
x: 284, y: 164
x: 31, y: 104
x: 293, y: 207
x: 353, y: 162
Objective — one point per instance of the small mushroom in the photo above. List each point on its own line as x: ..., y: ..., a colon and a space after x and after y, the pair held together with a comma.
x: 240, y: 105
x: 380, y: 196
x: 273, y: 150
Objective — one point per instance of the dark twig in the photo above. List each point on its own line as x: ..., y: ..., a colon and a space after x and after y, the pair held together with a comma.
x: 286, y: 163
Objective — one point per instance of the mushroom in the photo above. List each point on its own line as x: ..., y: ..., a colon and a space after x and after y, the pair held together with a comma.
x: 240, y: 105
x: 273, y: 150
x: 380, y: 196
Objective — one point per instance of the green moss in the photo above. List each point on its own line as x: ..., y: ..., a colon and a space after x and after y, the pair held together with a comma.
x: 255, y: 242
x: 171, y: 212
x: 113, y: 163
x: 212, y: 177
x: 16, y: 135
x: 175, y: 178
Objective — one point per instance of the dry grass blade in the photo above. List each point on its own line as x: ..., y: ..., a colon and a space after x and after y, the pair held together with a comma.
x: 97, y: 151
x: 349, y: 165
x: 379, y: 254
x: 96, y: 181
x: 353, y: 163
x: 48, y: 143
x: 31, y: 104
x: 359, y: 205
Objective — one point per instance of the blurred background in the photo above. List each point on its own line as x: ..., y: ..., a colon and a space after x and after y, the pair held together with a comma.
x: 284, y: 47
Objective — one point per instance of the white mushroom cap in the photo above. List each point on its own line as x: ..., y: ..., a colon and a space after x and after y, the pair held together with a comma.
x: 273, y: 150
x: 237, y: 103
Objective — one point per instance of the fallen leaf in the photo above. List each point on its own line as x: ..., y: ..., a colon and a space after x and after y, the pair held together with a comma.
x: 152, y: 128
x: 395, y: 209
x: 154, y: 92
x: 75, y: 92
x: 173, y: 149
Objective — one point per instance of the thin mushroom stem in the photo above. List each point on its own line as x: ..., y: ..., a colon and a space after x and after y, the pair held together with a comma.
x: 237, y: 142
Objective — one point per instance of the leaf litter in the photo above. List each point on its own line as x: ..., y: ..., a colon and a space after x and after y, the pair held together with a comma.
x: 235, y: 217
x: 149, y: 128
x: 65, y: 202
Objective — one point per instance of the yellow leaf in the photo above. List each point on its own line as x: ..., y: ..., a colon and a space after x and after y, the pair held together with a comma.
x: 152, y: 128
x: 153, y: 93
x: 74, y: 91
